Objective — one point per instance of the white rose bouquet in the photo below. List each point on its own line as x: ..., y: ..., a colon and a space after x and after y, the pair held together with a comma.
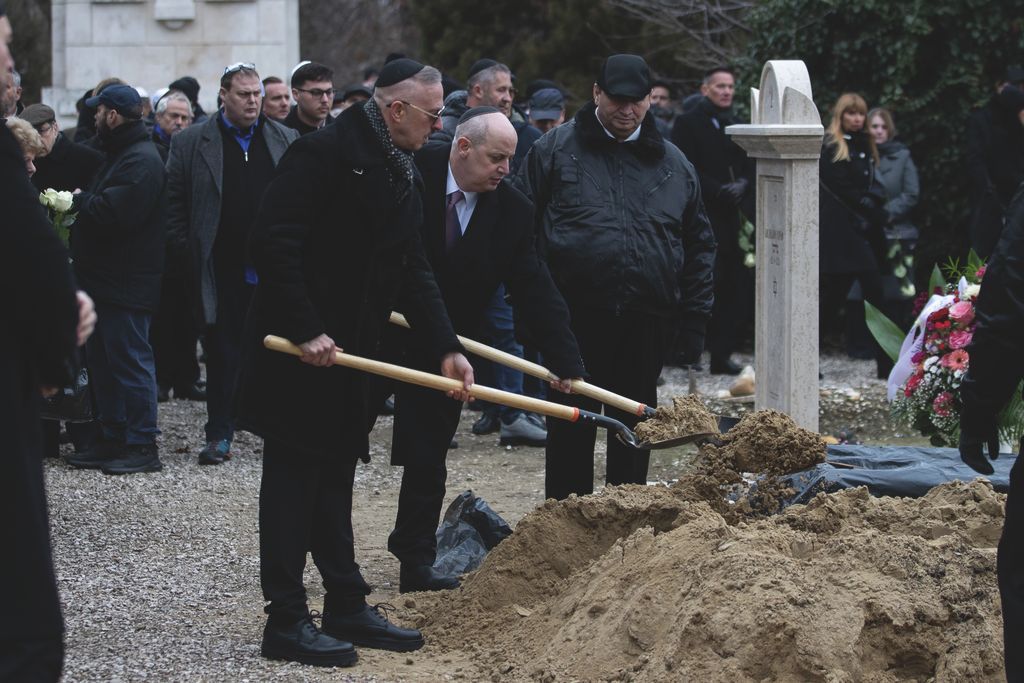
x: 58, y: 204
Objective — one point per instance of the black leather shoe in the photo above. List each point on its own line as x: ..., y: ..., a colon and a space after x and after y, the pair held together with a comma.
x: 303, y: 642
x: 370, y: 628
x: 422, y: 577
x: 139, y: 458
x: 388, y: 407
x: 163, y: 394
x: 99, y: 454
x: 726, y: 367
x: 190, y: 393
x: 489, y: 423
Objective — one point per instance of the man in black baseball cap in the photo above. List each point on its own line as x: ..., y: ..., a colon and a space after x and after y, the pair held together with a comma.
x: 122, y: 99
x: 605, y: 179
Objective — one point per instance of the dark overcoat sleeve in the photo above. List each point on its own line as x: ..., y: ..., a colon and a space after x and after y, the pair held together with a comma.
x: 696, y: 282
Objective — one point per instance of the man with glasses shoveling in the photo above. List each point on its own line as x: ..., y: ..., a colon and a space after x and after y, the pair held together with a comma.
x: 327, y: 281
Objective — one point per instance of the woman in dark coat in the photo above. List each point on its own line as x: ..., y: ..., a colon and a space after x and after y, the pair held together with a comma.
x: 852, y: 215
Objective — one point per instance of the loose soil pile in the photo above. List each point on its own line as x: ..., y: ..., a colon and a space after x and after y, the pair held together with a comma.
x: 686, y: 415
x: 767, y: 443
x: 647, y: 584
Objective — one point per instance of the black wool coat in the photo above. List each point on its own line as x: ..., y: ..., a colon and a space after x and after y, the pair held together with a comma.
x: 40, y: 318
x: 118, y: 241
x: 718, y: 161
x: 333, y: 252
x: 851, y: 238
x: 69, y: 166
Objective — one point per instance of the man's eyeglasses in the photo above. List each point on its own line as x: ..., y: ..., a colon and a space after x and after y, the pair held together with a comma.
x: 318, y: 93
x: 44, y: 128
x: 420, y: 109
x: 248, y: 66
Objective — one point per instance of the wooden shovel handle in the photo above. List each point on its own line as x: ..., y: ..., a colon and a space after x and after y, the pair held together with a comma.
x: 426, y: 379
x: 539, y: 371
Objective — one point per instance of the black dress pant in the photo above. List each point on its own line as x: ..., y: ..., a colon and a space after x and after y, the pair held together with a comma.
x: 306, y: 506
x: 727, y: 308
x: 835, y: 287
x: 624, y: 353
x: 425, y: 422
x: 223, y: 345
x: 1010, y: 565
x: 174, y: 336
x: 37, y: 660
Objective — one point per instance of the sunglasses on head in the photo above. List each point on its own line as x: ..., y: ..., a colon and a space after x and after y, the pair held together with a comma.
x: 238, y: 66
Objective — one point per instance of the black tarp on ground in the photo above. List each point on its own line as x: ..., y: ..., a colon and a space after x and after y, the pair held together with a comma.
x: 909, y: 471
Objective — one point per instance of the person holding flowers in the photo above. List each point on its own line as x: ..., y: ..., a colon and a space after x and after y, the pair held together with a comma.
x: 996, y: 350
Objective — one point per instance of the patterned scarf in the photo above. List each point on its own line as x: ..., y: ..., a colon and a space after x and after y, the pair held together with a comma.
x: 399, y: 162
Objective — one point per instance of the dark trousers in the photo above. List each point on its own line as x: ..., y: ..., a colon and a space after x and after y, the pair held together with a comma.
x: 1010, y: 565
x: 38, y: 660
x: 306, y: 506
x: 727, y: 309
x: 174, y: 338
x: 123, y: 375
x: 623, y: 353
x: 425, y: 422
x: 834, y: 290
x: 501, y: 334
x: 223, y: 345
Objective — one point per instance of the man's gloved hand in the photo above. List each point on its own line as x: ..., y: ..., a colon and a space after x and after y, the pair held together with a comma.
x: 690, y: 345
x: 971, y: 449
x: 734, y: 191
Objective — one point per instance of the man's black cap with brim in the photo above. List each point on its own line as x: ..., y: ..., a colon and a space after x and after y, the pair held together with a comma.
x: 398, y: 71
x: 625, y: 76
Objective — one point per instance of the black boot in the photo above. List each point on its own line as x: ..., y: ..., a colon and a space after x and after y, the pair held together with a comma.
x: 303, y: 642
x: 103, y: 451
x: 137, y: 458
x: 725, y: 367
x: 370, y: 627
x: 413, y: 578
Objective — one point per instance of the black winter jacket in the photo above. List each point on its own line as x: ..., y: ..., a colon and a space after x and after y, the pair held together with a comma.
x: 718, y: 161
x: 997, y: 348
x: 334, y: 272
x: 118, y: 240
x: 621, y: 225
x: 995, y: 165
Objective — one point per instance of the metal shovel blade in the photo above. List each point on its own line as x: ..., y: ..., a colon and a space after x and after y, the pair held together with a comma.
x: 676, y: 441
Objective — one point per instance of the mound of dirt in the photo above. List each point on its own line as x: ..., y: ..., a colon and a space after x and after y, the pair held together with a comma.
x: 641, y: 584
x: 768, y: 442
x: 686, y: 415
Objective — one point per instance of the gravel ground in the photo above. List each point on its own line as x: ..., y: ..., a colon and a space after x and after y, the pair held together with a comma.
x: 159, y: 573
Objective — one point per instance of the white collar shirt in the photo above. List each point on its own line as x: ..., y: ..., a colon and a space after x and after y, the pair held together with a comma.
x: 464, y: 208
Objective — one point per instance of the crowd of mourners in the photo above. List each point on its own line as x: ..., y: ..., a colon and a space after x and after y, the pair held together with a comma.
x: 603, y: 244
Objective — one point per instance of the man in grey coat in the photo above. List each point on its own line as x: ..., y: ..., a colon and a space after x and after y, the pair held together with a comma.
x: 217, y: 173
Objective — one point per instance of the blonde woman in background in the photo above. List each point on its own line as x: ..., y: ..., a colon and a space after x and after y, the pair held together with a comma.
x: 852, y: 216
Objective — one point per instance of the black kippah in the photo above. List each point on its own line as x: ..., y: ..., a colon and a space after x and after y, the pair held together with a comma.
x: 397, y: 71
x: 479, y: 65
x: 478, y: 111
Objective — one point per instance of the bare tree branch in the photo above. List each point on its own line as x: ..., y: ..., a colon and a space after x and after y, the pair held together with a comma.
x: 701, y: 33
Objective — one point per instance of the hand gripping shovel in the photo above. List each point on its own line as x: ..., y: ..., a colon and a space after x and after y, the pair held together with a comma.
x: 425, y: 379
x: 578, y: 386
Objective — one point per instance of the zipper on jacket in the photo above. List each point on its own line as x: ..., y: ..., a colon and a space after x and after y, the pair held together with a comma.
x: 664, y: 179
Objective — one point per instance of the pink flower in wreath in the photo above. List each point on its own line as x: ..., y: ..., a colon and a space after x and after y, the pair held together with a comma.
x: 943, y: 404
x: 960, y: 339
x: 981, y: 273
x: 955, y: 360
x: 918, y: 357
x: 962, y: 313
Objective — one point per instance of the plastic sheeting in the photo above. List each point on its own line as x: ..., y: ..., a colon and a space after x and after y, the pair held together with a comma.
x: 908, y: 471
